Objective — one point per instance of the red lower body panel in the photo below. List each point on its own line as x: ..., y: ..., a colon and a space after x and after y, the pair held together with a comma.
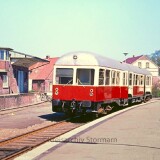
x: 90, y: 93
x: 138, y: 91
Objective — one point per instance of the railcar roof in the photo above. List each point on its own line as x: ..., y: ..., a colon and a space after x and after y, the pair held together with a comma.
x: 92, y: 59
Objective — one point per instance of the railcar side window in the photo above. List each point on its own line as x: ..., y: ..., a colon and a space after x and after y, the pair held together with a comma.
x: 64, y: 76
x: 101, y: 76
x: 107, y: 82
x: 141, y: 80
x: 113, y: 77
x: 124, y: 78
x: 118, y: 78
x: 130, y: 79
x: 148, y: 80
x: 85, y: 76
x: 136, y: 80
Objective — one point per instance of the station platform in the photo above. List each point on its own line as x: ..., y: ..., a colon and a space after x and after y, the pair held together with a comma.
x: 132, y: 133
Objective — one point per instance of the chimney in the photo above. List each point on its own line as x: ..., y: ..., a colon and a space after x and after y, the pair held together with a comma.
x: 47, y: 56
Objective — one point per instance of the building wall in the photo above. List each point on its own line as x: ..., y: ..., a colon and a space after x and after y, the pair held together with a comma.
x: 152, y: 67
x: 30, y: 85
x: 4, y: 65
x: 38, y: 85
x: 17, y: 79
x: 42, y: 86
x: 12, y: 84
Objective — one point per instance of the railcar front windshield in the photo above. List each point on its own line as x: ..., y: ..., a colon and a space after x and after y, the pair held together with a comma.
x: 64, y: 76
x: 85, y: 76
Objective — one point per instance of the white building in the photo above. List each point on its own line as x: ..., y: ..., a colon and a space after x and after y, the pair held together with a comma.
x: 144, y: 62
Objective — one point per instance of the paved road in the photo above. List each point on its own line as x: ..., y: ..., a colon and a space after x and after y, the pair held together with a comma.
x: 133, y: 135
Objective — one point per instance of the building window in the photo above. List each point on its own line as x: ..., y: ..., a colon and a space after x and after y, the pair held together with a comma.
x: 2, y: 54
x: 139, y: 64
x: 5, y: 80
x: 147, y: 64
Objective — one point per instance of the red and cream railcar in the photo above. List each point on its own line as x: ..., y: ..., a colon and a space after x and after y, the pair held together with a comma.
x: 87, y: 82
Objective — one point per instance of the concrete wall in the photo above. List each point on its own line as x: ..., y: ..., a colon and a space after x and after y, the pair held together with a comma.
x: 10, y: 101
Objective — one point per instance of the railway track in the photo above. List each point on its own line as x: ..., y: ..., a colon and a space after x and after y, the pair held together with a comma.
x: 15, y: 146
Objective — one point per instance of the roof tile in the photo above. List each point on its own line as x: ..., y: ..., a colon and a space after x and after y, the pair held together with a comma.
x: 132, y: 59
x: 41, y: 71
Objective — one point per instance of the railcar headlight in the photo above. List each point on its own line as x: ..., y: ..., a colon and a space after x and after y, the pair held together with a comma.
x: 74, y: 56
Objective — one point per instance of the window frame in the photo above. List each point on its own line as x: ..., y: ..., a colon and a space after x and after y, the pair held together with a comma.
x: 131, y: 80
x: 91, y: 76
x: 118, y: 78
x: 107, y: 77
x: 113, y: 77
x: 101, y: 76
x: 4, y: 55
x: 147, y: 64
x: 140, y: 64
x: 59, y: 78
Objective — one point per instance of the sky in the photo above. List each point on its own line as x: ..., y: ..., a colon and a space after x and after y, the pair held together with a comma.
x: 56, y: 27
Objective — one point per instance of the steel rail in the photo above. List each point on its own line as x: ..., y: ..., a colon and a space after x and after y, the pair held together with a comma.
x: 17, y: 145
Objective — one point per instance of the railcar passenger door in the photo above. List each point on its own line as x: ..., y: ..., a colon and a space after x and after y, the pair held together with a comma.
x: 124, y: 85
x: 148, y: 84
x: 130, y: 84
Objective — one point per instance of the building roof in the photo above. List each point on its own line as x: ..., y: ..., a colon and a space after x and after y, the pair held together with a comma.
x: 92, y: 59
x: 25, y: 60
x: 132, y: 59
x: 6, y: 48
x: 142, y: 57
x: 41, y: 71
x: 22, y: 59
